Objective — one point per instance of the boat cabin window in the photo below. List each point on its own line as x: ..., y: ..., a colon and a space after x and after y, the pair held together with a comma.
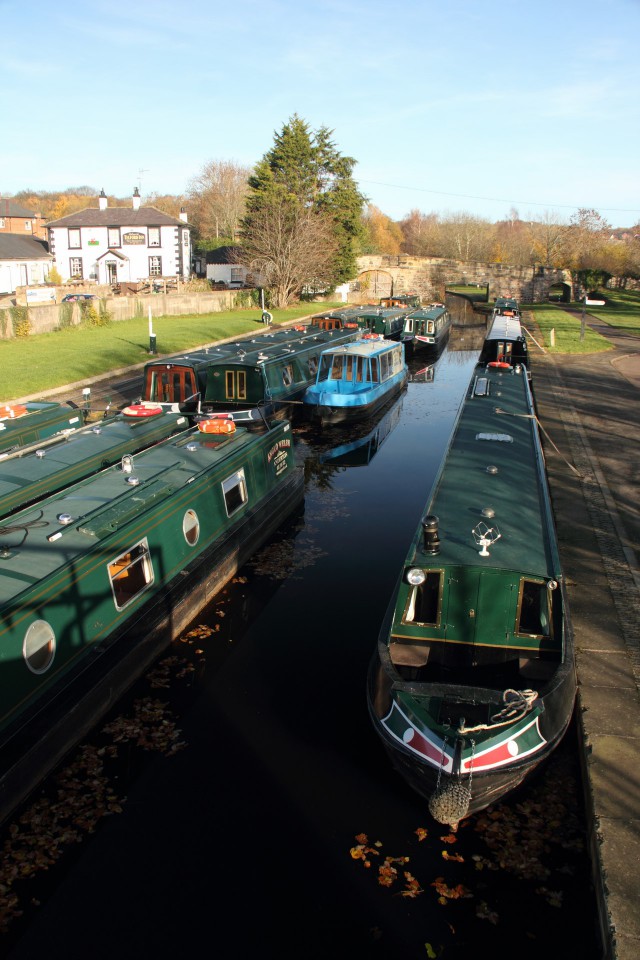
x: 375, y: 374
x: 235, y: 385
x: 234, y: 490
x: 191, y: 527
x: 534, y: 609
x: 385, y: 366
x: 425, y: 600
x: 287, y: 375
x: 431, y: 327
x: 349, y: 368
x: 130, y: 574
x: 337, y: 366
x: 313, y: 365
x: 39, y: 646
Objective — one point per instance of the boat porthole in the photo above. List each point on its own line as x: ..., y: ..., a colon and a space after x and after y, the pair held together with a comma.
x: 39, y: 646
x: 191, y: 527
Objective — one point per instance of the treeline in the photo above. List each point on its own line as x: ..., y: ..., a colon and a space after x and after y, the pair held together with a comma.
x: 300, y: 218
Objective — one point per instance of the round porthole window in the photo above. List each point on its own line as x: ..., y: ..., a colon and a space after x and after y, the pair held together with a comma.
x: 39, y: 646
x: 191, y: 527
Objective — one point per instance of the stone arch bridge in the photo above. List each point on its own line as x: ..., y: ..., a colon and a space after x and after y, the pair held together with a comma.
x: 385, y: 275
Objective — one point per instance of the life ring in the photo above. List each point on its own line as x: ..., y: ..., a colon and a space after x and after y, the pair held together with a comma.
x: 500, y: 364
x: 144, y: 409
x: 9, y: 411
x: 351, y: 326
x: 369, y: 336
x: 300, y: 326
x: 217, y: 425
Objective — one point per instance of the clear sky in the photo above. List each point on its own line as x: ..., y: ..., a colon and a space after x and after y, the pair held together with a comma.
x: 456, y: 106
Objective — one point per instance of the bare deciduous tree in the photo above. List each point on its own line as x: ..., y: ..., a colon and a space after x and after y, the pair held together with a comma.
x: 289, y: 246
x: 216, y: 199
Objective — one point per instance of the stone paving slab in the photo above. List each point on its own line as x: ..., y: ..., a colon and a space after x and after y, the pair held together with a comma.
x: 589, y: 411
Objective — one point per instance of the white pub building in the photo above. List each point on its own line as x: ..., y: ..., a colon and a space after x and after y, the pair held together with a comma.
x: 120, y: 244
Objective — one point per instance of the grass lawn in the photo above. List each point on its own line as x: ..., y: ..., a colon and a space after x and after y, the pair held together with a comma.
x: 622, y: 309
x: 48, y: 360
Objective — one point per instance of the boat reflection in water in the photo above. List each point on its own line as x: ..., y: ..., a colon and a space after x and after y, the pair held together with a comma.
x: 361, y: 447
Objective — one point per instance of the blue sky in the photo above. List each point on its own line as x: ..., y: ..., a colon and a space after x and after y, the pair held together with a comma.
x: 450, y: 107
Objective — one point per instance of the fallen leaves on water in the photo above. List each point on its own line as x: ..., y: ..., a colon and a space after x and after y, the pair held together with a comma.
x: 452, y: 856
x: 484, y: 913
x: 412, y: 887
x: 421, y: 833
x: 74, y: 801
x: 446, y: 893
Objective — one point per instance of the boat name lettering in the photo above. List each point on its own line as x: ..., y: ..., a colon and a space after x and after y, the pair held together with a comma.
x: 277, y: 447
x: 278, y: 454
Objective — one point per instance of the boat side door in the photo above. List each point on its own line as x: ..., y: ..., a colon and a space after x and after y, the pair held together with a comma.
x: 169, y: 384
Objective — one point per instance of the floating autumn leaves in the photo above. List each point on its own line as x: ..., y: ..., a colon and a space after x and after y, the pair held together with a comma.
x: 530, y: 841
x: 81, y: 794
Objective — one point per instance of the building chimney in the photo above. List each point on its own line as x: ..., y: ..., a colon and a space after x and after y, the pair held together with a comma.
x: 183, y: 215
x: 102, y: 200
x: 136, y: 199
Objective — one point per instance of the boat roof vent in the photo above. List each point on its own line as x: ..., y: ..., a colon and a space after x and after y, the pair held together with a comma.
x: 481, y: 387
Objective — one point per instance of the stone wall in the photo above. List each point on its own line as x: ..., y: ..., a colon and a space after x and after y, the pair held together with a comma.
x: 46, y: 317
x: 380, y: 276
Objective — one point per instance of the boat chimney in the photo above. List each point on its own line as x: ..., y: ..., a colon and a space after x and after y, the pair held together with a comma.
x: 136, y: 199
x: 430, y: 532
x: 102, y: 200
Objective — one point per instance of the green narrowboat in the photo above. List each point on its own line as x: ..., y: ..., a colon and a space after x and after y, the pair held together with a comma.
x: 22, y: 423
x: 505, y: 344
x: 410, y: 300
x: 247, y: 380
x: 472, y: 683
x: 426, y: 329
x: 386, y: 322
x: 38, y: 469
x: 97, y: 579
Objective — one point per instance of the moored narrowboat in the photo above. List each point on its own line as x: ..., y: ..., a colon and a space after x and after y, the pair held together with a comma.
x: 26, y: 422
x: 247, y: 381
x: 472, y: 683
x: 409, y: 300
x: 385, y: 322
x: 426, y: 329
x: 356, y: 380
x: 505, y: 345
x: 39, y: 469
x: 103, y: 574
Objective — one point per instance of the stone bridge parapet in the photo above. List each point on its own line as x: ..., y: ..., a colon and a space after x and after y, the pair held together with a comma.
x: 385, y: 275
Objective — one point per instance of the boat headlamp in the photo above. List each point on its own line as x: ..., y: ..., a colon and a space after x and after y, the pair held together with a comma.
x: 415, y: 576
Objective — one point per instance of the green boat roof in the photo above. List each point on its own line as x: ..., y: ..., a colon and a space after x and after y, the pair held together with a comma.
x: 493, y: 479
x: 61, y: 529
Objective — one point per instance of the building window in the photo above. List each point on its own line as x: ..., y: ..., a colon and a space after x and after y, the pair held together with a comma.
x: 75, y: 267
x: 27, y: 225
x: 74, y: 239
x: 155, y: 266
x: 154, y: 236
x: 2, y: 222
x: 114, y: 237
x: 185, y: 238
x: 236, y: 274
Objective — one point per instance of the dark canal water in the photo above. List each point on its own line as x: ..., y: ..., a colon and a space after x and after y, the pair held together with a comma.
x: 250, y: 806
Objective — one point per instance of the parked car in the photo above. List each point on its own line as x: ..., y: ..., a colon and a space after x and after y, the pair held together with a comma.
x: 78, y: 296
